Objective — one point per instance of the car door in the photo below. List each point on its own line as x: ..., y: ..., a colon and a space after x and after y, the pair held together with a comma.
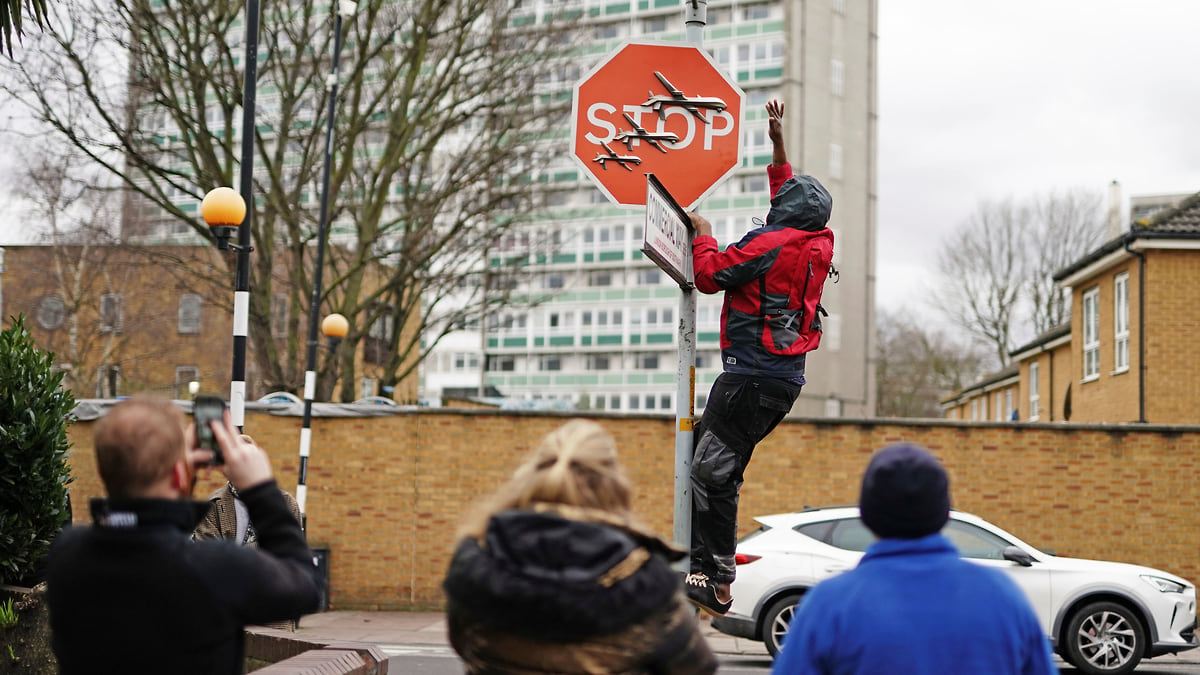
x: 987, y: 548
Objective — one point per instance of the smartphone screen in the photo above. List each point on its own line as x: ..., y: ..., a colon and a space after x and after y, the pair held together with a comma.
x: 205, y: 410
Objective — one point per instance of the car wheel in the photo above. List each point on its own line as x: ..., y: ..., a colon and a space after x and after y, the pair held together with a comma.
x: 1105, y: 638
x: 776, y: 622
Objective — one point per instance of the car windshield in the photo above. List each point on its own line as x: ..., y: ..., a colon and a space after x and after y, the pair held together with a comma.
x: 850, y: 534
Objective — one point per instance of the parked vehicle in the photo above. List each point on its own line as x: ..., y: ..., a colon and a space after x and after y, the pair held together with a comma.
x: 1102, y: 617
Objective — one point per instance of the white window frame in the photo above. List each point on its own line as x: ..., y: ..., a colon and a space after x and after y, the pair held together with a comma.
x: 975, y: 409
x: 1008, y: 403
x: 999, y: 406
x: 112, y: 319
x: 835, y: 161
x: 190, y: 305
x: 1035, y: 399
x: 1091, y: 334
x: 1121, y: 322
x: 837, y: 78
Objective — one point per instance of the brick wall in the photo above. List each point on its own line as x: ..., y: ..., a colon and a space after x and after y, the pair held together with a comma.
x: 1172, y: 330
x: 386, y: 493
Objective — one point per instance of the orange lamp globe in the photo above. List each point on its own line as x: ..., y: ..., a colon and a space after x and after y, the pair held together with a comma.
x: 335, y: 326
x: 223, y: 207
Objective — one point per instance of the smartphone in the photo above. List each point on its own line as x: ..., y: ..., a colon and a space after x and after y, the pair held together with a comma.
x: 205, y: 410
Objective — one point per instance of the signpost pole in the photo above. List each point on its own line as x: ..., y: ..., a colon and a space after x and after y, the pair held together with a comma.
x: 695, y: 18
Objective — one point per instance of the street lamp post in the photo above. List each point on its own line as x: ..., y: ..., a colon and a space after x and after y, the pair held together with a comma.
x: 225, y: 212
x: 334, y: 327
x: 345, y: 8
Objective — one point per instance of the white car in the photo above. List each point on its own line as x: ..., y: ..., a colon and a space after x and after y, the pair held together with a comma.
x: 1102, y: 617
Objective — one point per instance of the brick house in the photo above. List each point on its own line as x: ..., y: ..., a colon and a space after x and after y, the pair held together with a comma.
x: 125, y: 319
x: 1130, y: 351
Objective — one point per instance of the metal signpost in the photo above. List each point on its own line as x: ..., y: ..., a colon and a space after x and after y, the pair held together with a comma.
x: 684, y: 137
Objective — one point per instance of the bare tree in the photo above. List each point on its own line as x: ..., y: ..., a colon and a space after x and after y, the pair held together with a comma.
x: 920, y: 365
x: 439, y: 125
x: 996, y: 268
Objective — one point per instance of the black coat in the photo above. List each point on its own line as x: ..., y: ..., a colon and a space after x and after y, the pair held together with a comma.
x: 134, y: 594
x: 548, y: 593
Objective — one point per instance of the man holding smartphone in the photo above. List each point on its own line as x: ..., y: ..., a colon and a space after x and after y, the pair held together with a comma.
x: 133, y: 593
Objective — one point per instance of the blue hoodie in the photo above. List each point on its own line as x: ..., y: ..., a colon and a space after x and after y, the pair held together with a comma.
x: 913, y: 606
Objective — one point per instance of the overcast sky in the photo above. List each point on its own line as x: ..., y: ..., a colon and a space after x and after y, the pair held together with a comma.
x: 986, y: 100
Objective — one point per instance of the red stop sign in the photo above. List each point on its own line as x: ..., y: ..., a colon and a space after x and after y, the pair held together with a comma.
x: 660, y: 109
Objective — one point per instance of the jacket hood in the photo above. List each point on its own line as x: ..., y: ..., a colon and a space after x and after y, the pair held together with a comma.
x: 546, y: 576
x: 125, y: 513
x: 802, y: 203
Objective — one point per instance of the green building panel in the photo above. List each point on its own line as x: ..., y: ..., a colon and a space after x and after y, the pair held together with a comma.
x: 562, y: 341
x: 663, y: 378
x: 608, y: 339
x: 539, y: 341
x: 637, y: 255
x: 666, y: 292
x: 585, y: 341
x: 637, y: 378
x: 772, y: 27
x: 744, y: 202
x: 659, y: 338
x: 514, y: 342
x: 590, y: 296
x: 617, y: 8
x: 708, y: 336
x: 611, y: 256
x: 612, y: 379
x: 563, y: 258
x: 635, y: 339
x: 747, y: 29
x: 769, y: 73
x: 720, y: 33
x: 589, y: 257
x: 585, y: 380
x: 539, y: 381
x: 493, y: 343
x: 639, y: 293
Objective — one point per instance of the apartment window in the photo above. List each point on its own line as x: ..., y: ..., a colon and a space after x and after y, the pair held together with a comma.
x: 998, y: 407
x: 664, y: 401
x: 635, y: 402
x: 585, y: 318
x: 650, y: 402
x: 185, y: 375
x: 550, y: 363
x: 598, y: 363
x: 614, y: 402
x: 1008, y: 404
x: 646, y: 361
x: 108, y: 381
x: 279, y: 315
x: 367, y: 387
x: 600, y: 279
x: 189, y: 314
x: 837, y: 77
x: 649, y: 277
x: 504, y: 364
x: 835, y: 161
x: 111, y: 317
x: 1121, y: 322
x: 554, y: 281
x: 1091, y: 334
x: 1034, y: 398
x: 974, y: 409
x: 51, y: 312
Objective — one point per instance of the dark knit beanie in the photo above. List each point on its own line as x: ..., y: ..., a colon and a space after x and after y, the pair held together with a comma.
x: 905, y: 493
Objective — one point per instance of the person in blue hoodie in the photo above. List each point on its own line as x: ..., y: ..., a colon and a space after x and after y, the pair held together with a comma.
x: 913, y: 605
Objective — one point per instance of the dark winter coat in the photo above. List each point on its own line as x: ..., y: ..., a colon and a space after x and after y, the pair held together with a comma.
x: 134, y: 594
x: 549, y: 593
x: 773, y: 279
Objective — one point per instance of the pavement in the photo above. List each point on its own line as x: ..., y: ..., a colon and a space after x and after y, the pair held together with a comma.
x: 429, y: 629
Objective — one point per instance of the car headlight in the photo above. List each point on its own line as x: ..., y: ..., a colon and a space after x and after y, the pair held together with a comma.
x: 1163, y: 585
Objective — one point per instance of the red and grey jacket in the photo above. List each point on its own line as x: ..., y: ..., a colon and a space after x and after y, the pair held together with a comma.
x: 772, y: 280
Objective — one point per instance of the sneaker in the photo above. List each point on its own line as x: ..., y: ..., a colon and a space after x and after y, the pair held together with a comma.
x: 702, y: 592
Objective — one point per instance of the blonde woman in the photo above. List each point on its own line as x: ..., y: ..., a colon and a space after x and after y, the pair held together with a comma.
x: 552, y: 574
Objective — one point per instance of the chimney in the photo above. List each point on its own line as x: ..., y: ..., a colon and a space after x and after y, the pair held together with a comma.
x: 1116, y: 212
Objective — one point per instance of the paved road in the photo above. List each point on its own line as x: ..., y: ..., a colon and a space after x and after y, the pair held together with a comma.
x: 441, y: 660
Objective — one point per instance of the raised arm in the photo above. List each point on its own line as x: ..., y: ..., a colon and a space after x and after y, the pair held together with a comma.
x: 775, y: 133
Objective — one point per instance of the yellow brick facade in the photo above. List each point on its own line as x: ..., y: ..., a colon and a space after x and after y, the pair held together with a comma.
x: 386, y: 494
